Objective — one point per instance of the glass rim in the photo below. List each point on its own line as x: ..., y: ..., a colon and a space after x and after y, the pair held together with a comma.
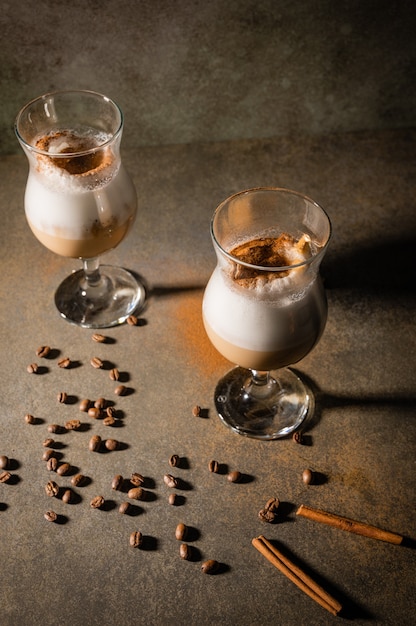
x: 78, y: 153
x: 267, y: 268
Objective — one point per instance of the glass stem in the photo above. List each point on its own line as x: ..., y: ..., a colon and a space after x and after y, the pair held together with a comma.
x: 259, y: 378
x: 92, y: 276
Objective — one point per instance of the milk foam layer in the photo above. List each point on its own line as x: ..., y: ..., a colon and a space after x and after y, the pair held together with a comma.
x: 79, y: 214
x: 270, y: 321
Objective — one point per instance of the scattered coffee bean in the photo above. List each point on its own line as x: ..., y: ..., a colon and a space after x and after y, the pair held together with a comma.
x: 109, y: 421
x: 97, y: 502
x: 49, y: 442
x: 62, y: 397
x: 43, y: 351
x: 4, y: 461
x: 78, y: 480
x: 272, y: 504
x: 84, y: 405
x: 5, y: 476
x: 170, y: 481
x: 64, y: 363
x: 32, y: 368
x: 174, y: 460
x: 117, y: 482
x: 124, y: 508
x: 94, y: 412
x: 297, y: 437
x: 111, y: 411
x: 181, y: 532
x: 196, y: 411
x: 63, y: 469
x: 50, y: 516
x: 132, y: 320
x: 67, y: 496
x: 73, y: 425
x: 56, y: 428
x: 30, y: 419
x: 266, y: 515
x: 100, y: 403
x: 185, y: 552
x: 98, y: 338
x: 213, y: 466
x: 96, y: 362
x: 95, y: 443
x: 114, y: 374
x: 210, y: 566
x: 173, y: 498
x: 52, y: 464
x: 120, y: 390
x: 234, y: 477
x: 48, y: 454
x: 51, y: 489
x: 111, y: 444
x: 136, y: 539
x: 137, y: 479
x: 307, y: 476
x: 136, y: 493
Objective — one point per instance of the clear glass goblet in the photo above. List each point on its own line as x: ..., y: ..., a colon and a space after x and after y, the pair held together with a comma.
x: 264, y: 307
x: 79, y: 200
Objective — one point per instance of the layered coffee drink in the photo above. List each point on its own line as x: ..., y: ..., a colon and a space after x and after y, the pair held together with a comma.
x: 79, y: 200
x: 264, y: 306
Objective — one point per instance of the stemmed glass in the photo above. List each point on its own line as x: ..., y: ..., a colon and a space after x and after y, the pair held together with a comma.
x: 264, y: 307
x: 79, y: 200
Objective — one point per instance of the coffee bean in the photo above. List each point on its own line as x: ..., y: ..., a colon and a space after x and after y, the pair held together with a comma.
x: 73, y: 425
x: 62, y: 397
x: 30, y: 419
x: 307, y: 476
x: 266, y: 515
x: 181, y: 532
x: 98, y: 338
x: 174, y: 460
x: 136, y: 539
x: 84, y: 405
x: 137, y: 479
x: 210, y: 566
x: 67, y: 496
x: 50, y: 516
x: 170, y: 481
x: 120, y: 390
x: 63, y: 469
x: 100, y: 403
x: 5, y: 476
x: 196, y: 411
x: 52, y: 464
x: 97, y: 502
x: 109, y: 421
x: 234, y: 477
x: 52, y: 489
x: 185, y: 552
x: 78, y: 480
x: 297, y: 437
x: 111, y: 411
x: 48, y: 443
x: 56, y: 428
x: 94, y: 412
x: 272, y: 504
x: 43, y: 351
x: 213, y: 466
x: 95, y: 443
x: 124, y: 508
x: 114, y: 374
x: 4, y: 461
x: 48, y: 454
x: 96, y: 362
x: 173, y: 498
x: 64, y: 363
x: 132, y: 320
x: 111, y: 444
x: 117, y: 482
x: 136, y: 493
x: 32, y: 368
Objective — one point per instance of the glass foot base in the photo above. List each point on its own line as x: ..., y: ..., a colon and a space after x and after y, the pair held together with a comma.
x: 117, y: 295
x: 269, y: 412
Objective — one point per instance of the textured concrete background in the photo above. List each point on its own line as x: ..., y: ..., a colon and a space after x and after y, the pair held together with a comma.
x: 197, y: 70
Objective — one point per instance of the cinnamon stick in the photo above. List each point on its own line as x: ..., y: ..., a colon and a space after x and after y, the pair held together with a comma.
x: 352, y: 526
x: 302, y: 580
